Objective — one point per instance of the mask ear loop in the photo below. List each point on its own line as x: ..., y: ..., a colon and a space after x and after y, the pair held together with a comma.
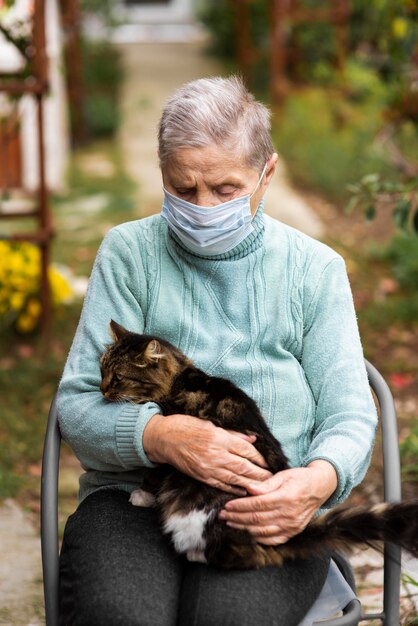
x: 259, y: 180
x: 257, y: 186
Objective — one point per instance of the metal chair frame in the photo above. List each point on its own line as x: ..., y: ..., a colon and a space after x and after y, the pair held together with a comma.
x: 352, y: 614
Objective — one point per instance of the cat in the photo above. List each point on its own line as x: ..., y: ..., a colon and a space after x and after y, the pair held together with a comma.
x: 142, y: 368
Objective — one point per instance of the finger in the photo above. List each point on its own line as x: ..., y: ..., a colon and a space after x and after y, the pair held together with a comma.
x: 242, y: 474
x: 249, y: 438
x: 243, y: 448
x: 252, y: 503
x: 229, y: 488
x: 252, y: 473
x: 247, y: 475
x: 243, y: 470
x: 259, y: 532
x: 277, y: 537
x: 273, y: 541
x: 249, y: 518
x: 267, y: 486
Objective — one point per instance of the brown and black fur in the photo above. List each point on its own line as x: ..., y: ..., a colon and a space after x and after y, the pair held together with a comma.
x: 142, y: 368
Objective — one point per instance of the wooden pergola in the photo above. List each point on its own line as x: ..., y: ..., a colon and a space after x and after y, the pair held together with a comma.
x: 32, y: 80
x: 282, y: 14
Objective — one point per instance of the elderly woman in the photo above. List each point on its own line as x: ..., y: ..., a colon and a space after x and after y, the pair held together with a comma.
x: 249, y: 299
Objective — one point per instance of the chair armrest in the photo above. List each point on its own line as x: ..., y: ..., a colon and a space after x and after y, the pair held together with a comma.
x: 49, y: 515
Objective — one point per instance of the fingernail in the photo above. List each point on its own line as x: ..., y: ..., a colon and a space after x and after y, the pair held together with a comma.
x: 222, y: 514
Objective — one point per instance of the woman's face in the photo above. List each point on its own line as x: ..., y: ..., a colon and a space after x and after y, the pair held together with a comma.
x: 210, y: 175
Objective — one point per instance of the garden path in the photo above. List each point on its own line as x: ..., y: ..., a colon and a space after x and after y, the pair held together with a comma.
x: 21, y: 595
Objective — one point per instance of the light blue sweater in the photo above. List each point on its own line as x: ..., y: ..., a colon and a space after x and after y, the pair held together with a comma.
x: 275, y: 315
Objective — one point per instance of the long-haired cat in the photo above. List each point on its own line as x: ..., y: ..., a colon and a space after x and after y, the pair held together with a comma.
x: 143, y: 368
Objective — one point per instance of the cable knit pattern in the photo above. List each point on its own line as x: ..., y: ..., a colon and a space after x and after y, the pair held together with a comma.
x: 296, y: 295
x: 274, y: 314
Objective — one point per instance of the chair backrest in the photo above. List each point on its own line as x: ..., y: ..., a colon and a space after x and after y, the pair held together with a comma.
x: 392, y: 493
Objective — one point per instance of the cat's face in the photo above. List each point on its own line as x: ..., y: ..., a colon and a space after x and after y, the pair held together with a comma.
x: 138, y: 368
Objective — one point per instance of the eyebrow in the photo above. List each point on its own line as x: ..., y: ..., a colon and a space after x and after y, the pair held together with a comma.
x: 230, y: 180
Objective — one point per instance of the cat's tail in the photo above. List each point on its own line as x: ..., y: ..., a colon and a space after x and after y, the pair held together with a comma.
x: 339, y: 530
x: 344, y: 527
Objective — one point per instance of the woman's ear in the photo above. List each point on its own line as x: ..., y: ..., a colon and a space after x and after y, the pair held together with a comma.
x: 271, y: 168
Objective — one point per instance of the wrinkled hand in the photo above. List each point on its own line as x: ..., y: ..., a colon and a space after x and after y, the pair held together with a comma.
x: 282, y: 506
x: 223, y: 459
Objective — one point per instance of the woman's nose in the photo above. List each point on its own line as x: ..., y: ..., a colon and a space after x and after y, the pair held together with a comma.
x: 205, y: 198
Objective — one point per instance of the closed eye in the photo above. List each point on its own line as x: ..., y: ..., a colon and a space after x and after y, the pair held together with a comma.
x: 183, y: 192
x: 225, y: 190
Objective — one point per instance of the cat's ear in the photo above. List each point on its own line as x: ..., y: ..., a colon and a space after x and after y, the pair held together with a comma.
x: 153, y: 352
x: 117, y: 331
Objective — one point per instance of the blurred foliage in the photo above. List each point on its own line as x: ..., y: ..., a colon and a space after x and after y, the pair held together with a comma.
x: 409, y: 455
x: 29, y: 373
x: 372, y: 191
x: 101, y: 71
x: 18, y: 32
x: 102, y: 77
x: 383, y: 32
x: 363, y: 121
x: 402, y: 255
x: 102, y: 9
x: 328, y: 140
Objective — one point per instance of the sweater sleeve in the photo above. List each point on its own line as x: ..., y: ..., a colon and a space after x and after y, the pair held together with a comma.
x: 105, y: 436
x: 332, y: 359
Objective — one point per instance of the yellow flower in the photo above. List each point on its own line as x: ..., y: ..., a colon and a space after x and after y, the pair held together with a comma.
x: 20, y: 269
x: 26, y: 323
x: 16, y: 301
x: 60, y: 288
x: 16, y: 262
x: 399, y: 27
x: 33, y: 307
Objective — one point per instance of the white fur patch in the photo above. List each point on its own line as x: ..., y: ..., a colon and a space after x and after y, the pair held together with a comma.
x: 139, y: 497
x: 187, y: 532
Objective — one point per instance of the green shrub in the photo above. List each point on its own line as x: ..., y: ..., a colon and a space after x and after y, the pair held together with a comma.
x: 328, y: 141
x: 101, y: 115
x: 409, y: 456
x: 102, y: 78
x: 396, y: 309
x: 401, y: 254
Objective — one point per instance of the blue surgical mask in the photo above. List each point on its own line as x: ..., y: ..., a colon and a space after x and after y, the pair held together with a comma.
x: 210, y: 230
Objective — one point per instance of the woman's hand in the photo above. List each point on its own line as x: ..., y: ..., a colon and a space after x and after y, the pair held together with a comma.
x: 223, y: 459
x: 282, y: 505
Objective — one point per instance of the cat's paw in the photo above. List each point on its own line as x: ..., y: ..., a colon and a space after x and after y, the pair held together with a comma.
x: 139, y: 497
x: 196, y: 556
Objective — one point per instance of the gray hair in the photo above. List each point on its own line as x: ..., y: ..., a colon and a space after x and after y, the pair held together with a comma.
x: 216, y: 111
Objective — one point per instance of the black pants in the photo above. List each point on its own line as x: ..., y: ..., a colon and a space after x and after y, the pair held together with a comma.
x: 117, y: 568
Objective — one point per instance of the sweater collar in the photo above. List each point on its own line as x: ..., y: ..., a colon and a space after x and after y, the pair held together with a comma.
x: 252, y: 242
